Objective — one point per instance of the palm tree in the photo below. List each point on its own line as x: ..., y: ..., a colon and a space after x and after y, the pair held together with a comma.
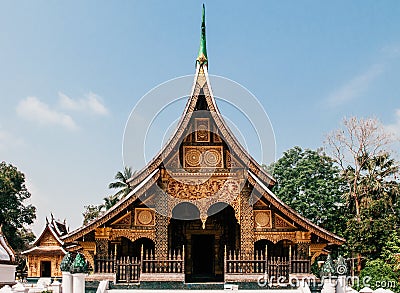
x: 109, y: 202
x: 121, y: 183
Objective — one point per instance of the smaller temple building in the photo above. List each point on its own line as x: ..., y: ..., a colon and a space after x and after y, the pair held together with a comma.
x: 44, y: 258
x: 7, y: 262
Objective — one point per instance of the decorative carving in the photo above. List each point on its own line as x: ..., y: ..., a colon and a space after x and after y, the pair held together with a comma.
x: 102, y: 247
x: 246, y: 224
x: 216, y: 136
x: 192, y: 157
x: 202, y: 129
x: 48, y: 240
x: 132, y: 234
x: 173, y: 163
x: 316, y: 249
x: 204, y: 156
x: 102, y: 233
x: 161, y: 227
x: 144, y: 217
x: 303, y: 236
x: 123, y: 222
x: 231, y: 161
x: 88, y: 245
x: 282, y: 223
x: 89, y: 257
x: 196, y: 188
x: 262, y: 219
x: 303, y: 250
x: 275, y: 237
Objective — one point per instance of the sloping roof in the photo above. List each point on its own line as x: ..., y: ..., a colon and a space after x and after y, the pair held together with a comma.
x: 285, y: 209
x: 201, y: 77
x: 258, y: 177
x: 124, y: 203
x: 45, y: 250
x: 7, y: 254
x: 55, y: 228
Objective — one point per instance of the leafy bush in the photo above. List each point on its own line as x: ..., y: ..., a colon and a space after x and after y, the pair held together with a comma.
x: 379, y: 274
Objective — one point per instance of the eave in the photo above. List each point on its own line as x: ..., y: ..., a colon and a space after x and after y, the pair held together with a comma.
x: 139, y: 190
x: 291, y: 213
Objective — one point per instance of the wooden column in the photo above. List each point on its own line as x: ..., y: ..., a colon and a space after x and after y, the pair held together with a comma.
x: 162, y: 221
x: 102, y: 235
x: 246, y: 225
x: 303, y: 250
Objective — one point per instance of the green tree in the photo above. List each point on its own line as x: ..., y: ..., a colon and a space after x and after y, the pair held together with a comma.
x: 93, y: 211
x: 369, y: 230
x: 15, y: 213
x: 380, y: 274
x: 90, y: 213
x: 121, y: 183
x: 391, y: 251
x: 308, y: 181
x: 360, y: 147
x: 109, y: 202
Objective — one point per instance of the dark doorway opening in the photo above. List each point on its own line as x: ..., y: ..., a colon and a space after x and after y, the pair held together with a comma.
x: 203, y: 258
x: 45, y: 269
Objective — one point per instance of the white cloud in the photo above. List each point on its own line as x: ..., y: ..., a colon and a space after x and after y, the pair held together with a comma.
x: 90, y: 103
x: 356, y: 86
x: 34, y: 110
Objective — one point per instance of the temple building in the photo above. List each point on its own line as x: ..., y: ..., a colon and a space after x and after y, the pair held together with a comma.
x: 44, y: 258
x: 201, y: 210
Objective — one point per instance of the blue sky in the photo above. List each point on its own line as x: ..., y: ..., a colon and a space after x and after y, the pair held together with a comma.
x: 72, y: 71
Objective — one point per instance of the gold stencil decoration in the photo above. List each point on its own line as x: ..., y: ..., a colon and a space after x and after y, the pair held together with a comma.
x: 48, y: 240
x: 262, y: 219
x: 216, y: 136
x: 173, y: 163
x: 144, y: 217
x: 203, y: 157
x: 282, y: 223
x: 124, y: 221
x: 212, y: 158
x: 202, y: 129
x: 193, y: 158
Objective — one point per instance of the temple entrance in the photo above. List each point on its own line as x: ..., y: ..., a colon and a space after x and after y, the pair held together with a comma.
x: 45, y: 269
x: 133, y: 249
x: 282, y: 249
x: 203, y: 257
x: 204, y: 244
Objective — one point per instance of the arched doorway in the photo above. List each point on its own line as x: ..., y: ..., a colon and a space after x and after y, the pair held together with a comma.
x: 133, y: 249
x: 204, y: 246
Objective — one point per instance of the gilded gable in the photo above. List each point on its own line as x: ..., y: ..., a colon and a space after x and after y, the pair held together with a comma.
x: 48, y: 239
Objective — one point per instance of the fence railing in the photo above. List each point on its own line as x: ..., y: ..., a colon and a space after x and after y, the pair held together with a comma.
x: 128, y: 269
x: 173, y: 264
x: 276, y: 267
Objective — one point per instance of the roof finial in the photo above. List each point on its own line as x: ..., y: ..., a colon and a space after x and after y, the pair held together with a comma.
x: 202, y: 57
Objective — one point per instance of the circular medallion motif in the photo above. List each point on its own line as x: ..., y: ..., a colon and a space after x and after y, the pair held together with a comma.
x: 262, y: 219
x: 212, y: 158
x: 145, y: 217
x: 193, y: 157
